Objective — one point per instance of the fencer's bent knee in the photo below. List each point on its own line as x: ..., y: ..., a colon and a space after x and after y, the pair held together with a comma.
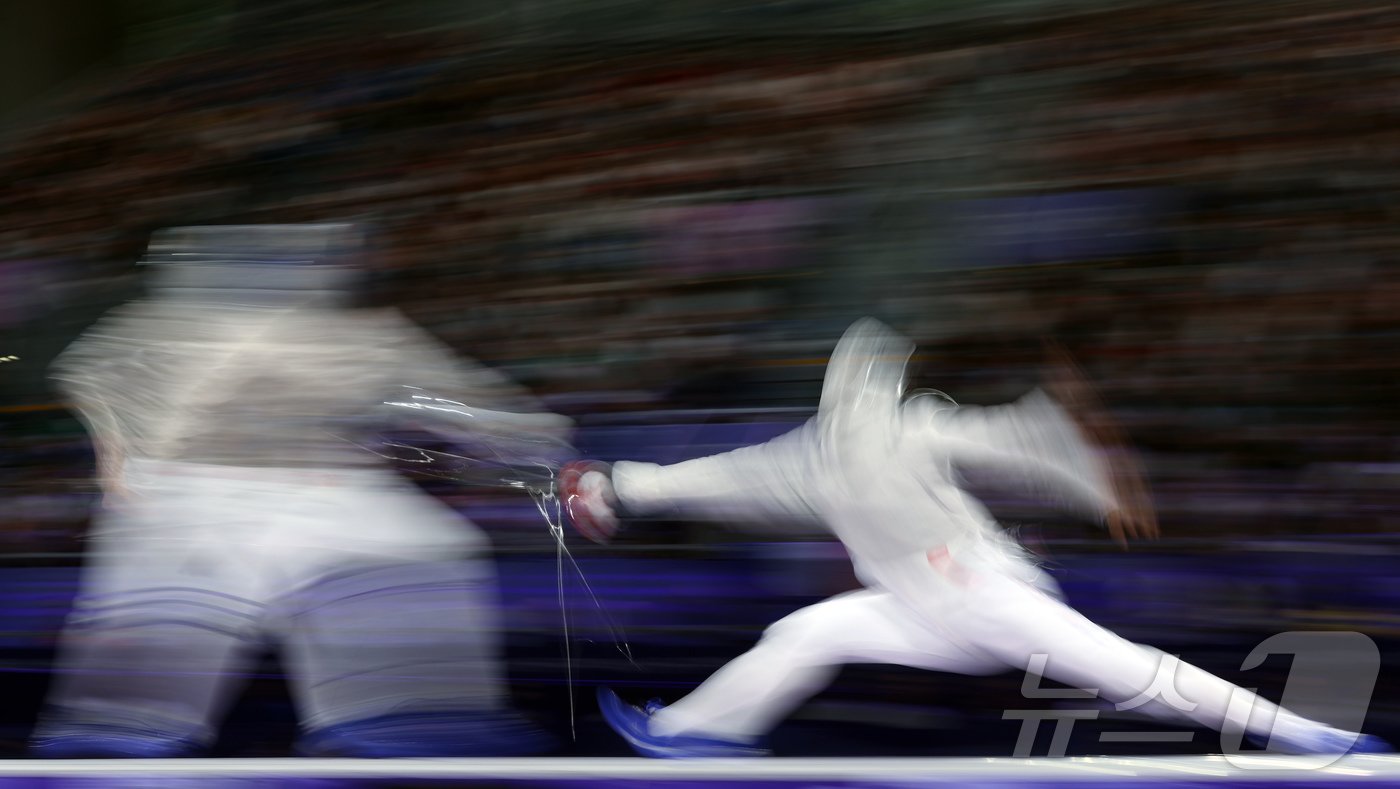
x: 821, y: 631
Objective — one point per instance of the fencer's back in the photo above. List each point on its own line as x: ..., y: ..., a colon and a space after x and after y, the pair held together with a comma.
x: 244, y: 386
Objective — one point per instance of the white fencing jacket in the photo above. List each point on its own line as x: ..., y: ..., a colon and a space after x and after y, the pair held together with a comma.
x: 882, y: 472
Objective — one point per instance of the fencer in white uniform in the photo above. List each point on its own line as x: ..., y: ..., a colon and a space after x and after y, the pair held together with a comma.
x: 230, y: 410
x: 946, y: 588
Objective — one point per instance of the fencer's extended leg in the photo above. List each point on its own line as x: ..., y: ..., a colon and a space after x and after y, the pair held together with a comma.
x: 1024, y: 627
x: 403, y: 660
x: 139, y: 682
x: 151, y: 654
x: 799, y: 655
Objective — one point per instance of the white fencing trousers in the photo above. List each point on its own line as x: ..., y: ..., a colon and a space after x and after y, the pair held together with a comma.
x: 992, y: 624
x: 377, y: 595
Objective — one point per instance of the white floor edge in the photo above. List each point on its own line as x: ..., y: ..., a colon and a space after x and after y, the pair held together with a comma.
x: 1363, y: 769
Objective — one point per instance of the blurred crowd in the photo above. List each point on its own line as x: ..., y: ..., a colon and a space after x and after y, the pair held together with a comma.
x: 652, y: 228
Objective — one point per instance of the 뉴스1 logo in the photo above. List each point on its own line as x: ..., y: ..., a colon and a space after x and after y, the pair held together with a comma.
x: 1331, y: 681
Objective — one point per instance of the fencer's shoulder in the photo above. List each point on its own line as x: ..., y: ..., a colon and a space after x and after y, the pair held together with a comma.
x: 929, y: 405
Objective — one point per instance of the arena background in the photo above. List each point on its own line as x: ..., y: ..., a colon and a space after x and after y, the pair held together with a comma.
x: 661, y: 215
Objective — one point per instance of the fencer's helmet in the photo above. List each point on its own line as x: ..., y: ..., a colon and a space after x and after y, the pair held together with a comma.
x: 867, y: 373
x: 262, y: 265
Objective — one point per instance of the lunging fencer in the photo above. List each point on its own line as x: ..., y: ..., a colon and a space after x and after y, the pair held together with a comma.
x: 946, y: 588
x: 229, y: 410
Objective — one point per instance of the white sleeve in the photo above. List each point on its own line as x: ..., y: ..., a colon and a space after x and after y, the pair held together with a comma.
x: 761, y: 483
x: 1032, y: 443
x: 458, y: 398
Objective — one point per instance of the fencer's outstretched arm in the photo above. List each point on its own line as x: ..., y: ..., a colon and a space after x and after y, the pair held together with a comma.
x: 1037, y: 444
x: 1032, y: 443
x: 761, y: 483
x: 462, y: 400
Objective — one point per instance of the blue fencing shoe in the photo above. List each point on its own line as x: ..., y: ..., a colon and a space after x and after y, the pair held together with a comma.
x: 80, y: 741
x: 1326, y: 741
x: 632, y: 724
x: 1370, y: 743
